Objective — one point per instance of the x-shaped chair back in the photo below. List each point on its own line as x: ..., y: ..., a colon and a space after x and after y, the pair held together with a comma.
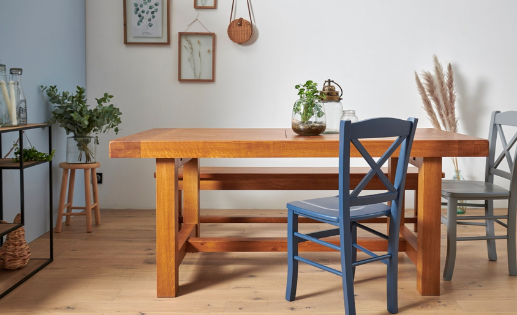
x: 492, y: 163
x: 403, y: 131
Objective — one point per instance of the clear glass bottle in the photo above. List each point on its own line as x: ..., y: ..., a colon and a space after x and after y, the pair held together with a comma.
x: 5, y: 120
x: 333, y: 111
x: 16, y: 76
x: 349, y: 115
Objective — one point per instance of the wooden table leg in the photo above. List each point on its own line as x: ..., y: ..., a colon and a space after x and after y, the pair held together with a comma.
x: 191, y: 194
x: 167, y: 227
x: 429, y: 232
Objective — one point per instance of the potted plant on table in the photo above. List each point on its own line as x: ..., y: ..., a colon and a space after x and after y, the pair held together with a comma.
x: 308, y: 112
x: 73, y: 114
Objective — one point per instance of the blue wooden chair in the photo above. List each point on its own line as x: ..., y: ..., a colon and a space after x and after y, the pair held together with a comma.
x: 345, y: 210
x: 454, y: 190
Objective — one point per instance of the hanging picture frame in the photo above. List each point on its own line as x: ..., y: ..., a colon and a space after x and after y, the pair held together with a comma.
x: 146, y: 22
x: 205, y: 4
x: 196, y: 57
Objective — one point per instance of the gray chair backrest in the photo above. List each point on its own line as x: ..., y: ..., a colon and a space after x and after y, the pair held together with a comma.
x: 492, y: 162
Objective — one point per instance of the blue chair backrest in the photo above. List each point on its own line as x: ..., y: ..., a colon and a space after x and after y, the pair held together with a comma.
x: 350, y: 135
x: 492, y: 163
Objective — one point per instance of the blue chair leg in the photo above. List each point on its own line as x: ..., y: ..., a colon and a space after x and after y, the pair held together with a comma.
x: 346, y: 269
x: 490, y: 231
x: 512, y: 218
x: 393, y: 263
x: 292, y: 250
x: 353, y: 233
x: 450, y: 260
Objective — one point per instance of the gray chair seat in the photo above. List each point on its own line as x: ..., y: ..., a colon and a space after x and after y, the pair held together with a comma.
x: 327, y: 209
x: 472, y: 189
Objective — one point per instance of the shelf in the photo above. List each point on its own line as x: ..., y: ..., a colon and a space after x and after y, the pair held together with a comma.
x: 13, y: 278
x: 9, y: 164
x: 25, y: 127
x: 8, y: 227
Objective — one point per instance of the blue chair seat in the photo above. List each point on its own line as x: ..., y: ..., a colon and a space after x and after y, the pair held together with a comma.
x: 327, y: 209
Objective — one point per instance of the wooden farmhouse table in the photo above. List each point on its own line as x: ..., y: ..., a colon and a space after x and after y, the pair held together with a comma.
x: 173, y: 148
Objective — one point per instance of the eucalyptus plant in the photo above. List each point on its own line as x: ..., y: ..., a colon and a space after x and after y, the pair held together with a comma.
x: 310, y: 101
x: 74, y: 115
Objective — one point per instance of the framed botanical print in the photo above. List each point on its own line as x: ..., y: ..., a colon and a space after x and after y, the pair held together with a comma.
x: 146, y: 22
x: 205, y: 4
x: 196, y: 57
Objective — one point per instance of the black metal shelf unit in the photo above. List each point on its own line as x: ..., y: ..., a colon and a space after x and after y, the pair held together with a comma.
x: 17, y: 277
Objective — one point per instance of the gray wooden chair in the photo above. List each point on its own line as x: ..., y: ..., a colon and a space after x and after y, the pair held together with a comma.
x: 454, y: 190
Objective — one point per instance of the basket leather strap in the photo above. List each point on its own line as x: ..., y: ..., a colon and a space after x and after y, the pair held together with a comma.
x: 249, y: 12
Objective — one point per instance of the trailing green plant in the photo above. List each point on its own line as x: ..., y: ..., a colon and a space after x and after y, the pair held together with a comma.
x: 310, y: 101
x: 74, y: 115
x: 30, y: 154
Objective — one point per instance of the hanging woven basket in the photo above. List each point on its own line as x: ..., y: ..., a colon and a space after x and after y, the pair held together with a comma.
x: 15, y: 252
x: 240, y: 30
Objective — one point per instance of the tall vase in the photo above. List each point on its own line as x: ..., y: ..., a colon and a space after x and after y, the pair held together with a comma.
x: 458, y: 176
x: 81, y: 150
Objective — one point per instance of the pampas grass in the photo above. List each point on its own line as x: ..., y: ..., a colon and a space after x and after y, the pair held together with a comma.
x: 439, y: 88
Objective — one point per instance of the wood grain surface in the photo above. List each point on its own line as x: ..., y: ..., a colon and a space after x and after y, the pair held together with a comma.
x: 276, y: 142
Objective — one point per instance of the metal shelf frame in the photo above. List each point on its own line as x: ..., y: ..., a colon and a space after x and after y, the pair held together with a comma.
x: 21, y: 168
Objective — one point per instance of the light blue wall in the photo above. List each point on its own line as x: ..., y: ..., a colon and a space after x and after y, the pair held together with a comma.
x: 46, y: 39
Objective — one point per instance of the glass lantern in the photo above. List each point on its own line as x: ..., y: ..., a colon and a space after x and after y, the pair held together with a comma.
x: 333, y: 106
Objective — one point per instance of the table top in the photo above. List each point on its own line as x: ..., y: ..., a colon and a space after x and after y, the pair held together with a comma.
x: 279, y: 142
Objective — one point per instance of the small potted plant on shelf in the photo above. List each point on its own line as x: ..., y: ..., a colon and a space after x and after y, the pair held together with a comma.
x: 308, y: 113
x: 73, y: 114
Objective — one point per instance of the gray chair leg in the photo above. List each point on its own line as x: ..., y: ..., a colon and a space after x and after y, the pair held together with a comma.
x: 450, y: 260
x: 490, y: 230
x: 512, y: 212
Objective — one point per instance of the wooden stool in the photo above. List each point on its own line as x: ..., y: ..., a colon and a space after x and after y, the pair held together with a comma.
x: 88, y: 168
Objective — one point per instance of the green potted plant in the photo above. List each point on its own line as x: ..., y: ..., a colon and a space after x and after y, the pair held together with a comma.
x: 73, y: 114
x: 308, y: 113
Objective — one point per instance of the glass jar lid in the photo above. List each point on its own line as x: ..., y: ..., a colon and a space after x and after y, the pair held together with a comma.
x: 16, y: 71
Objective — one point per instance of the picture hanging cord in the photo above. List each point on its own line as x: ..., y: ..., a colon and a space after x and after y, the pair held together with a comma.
x: 189, y: 25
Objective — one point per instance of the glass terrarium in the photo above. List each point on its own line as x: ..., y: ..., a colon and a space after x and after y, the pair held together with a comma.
x: 308, y: 117
x: 81, y: 150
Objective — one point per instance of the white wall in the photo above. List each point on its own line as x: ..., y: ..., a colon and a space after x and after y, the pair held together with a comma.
x: 51, y: 51
x: 370, y: 47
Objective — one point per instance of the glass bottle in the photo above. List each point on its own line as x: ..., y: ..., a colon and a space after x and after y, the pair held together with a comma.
x: 16, y: 76
x: 333, y: 106
x: 5, y: 120
x: 349, y: 115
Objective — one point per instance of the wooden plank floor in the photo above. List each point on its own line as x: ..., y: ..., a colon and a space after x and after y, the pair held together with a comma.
x: 112, y: 271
